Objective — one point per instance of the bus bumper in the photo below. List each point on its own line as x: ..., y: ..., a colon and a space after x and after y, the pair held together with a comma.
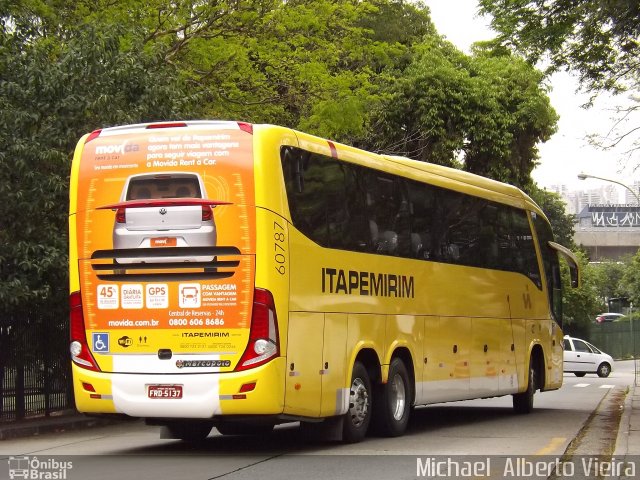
x: 258, y: 391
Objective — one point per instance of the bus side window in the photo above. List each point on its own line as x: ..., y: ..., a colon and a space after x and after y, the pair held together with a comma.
x: 422, y: 220
x: 524, y: 252
x: 326, y: 200
x: 403, y: 223
x: 490, y: 229
x: 383, y: 205
x: 305, y: 184
x: 551, y: 267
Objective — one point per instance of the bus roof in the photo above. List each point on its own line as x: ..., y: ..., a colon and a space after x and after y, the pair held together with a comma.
x: 468, y: 178
x: 423, y: 171
x: 459, y: 175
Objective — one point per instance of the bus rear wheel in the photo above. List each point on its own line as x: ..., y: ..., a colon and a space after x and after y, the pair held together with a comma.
x: 393, y: 401
x: 523, y: 402
x: 357, y: 419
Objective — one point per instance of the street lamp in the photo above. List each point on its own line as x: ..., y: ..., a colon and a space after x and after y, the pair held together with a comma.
x: 584, y: 176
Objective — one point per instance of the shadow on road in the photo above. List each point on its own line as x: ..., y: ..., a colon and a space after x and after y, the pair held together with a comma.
x: 290, y: 439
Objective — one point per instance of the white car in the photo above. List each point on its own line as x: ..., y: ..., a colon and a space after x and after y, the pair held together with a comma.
x: 580, y: 358
x: 164, y: 210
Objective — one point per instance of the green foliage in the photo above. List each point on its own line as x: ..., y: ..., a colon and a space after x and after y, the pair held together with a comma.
x: 50, y: 94
x: 424, y: 108
x: 511, y: 114
x: 609, y: 277
x: 630, y: 282
x: 600, y: 282
x: 597, y: 39
x: 487, y: 111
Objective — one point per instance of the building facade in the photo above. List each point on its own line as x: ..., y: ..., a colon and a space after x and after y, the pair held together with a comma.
x: 608, y: 232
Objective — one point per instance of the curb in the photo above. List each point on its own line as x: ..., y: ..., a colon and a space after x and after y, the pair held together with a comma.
x: 624, y: 429
x: 60, y: 423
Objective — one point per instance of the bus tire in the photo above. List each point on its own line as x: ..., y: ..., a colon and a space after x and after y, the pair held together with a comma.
x: 357, y: 419
x: 523, y: 402
x: 192, y: 432
x: 393, y: 401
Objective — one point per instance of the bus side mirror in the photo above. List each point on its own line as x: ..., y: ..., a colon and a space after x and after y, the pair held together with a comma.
x: 572, y: 261
x: 575, y: 276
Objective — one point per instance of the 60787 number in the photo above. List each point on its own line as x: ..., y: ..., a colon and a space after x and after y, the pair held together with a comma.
x: 279, y: 247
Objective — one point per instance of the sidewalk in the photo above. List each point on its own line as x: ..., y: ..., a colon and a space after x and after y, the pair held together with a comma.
x: 628, y: 441
x: 61, y: 422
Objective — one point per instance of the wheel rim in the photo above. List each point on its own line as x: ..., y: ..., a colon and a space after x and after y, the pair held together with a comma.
x: 604, y: 369
x: 399, y: 396
x: 358, y: 402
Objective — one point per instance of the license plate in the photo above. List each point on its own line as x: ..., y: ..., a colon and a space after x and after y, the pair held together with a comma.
x: 164, y: 242
x: 164, y: 391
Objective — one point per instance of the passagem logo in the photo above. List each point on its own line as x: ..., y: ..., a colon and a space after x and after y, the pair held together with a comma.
x: 36, y: 469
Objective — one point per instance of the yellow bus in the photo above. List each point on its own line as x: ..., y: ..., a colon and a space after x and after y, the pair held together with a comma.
x: 240, y: 276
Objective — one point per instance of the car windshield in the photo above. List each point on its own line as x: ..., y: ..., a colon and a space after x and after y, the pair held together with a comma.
x: 163, y: 187
x: 595, y: 349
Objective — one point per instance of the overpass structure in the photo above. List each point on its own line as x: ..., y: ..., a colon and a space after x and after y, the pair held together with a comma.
x: 608, y: 232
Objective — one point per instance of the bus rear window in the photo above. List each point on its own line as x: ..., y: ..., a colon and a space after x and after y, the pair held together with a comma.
x: 163, y: 187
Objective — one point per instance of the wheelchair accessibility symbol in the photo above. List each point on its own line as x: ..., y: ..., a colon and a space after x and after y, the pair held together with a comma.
x: 100, y: 342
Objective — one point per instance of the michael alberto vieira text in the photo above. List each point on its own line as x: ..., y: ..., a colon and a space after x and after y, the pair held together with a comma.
x: 521, y: 467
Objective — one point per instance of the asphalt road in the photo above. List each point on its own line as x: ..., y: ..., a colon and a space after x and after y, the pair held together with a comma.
x: 472, y: 431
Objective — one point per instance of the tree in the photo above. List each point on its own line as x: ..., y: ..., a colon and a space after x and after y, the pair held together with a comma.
x: 421, y: 116
x: 308, y: 64
x: 608, y: 278
x: 580, y: 305
x: 598, y: 40
x: 630, y: 283
x: 510, y: 114
x: 50, y: 94
x: 485, y: 112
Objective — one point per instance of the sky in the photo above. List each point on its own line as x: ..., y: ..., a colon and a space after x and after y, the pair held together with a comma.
x: 568, y: 152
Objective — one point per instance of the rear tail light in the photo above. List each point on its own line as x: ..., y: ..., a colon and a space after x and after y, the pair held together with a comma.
x: 207, y: 213
x: 80, y: 353
x: 246, y: 127
x: 121, y: 216
x: 264, y: 343
x: 166, y: 125
x: 93, y: 135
